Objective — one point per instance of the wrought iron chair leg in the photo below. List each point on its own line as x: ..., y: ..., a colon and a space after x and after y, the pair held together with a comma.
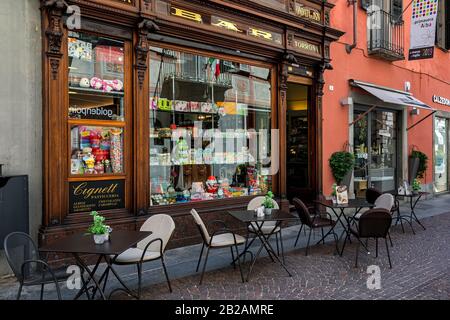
x: 282, y: 246
x: 323, y: 239
x: 298, y: 235
x: 42, y: 291
x: 376, y: 247
x: 336, y: 241
x: 166, y: 274
x: 390, y: 240
x: 200, y: 257
x: 239, y: 262
x: 387, y: 250
x: 58, y: 291
x: 19, y: 293
x: 232, y: 257
x: 278, y: 247
x: 357, y: 253
x: 309, y: 238
x: 139, y: 268
x: 204, y: 265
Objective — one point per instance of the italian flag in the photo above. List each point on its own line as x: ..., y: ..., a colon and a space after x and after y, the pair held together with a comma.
x: 214, y: 66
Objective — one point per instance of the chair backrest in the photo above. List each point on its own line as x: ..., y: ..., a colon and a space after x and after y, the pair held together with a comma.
x: 385, y: 201
x: 19, y: 247
x: 372, y: 194
x: 199, y: 222
x: 258, y: 201
x: 374, y: 223
x: 161, y: 226
x: 302, y: 211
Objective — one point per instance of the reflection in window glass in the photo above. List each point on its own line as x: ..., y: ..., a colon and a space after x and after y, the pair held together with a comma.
x: 440, y: 155
x: 96, y: 150
x: 96, y: 75
x: 210, y: 124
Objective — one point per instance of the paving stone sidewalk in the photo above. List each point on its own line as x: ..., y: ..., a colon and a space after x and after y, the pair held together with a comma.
x: 421, y: 269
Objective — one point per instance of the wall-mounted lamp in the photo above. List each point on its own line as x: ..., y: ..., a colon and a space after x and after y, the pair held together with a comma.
x: 346, y: 101
x: 415, y: 112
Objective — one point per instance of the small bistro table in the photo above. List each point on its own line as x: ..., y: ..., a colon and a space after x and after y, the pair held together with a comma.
x: 250, y: 218
x: 345, y: 221
x: 77, y: 244
x: 412, y: 203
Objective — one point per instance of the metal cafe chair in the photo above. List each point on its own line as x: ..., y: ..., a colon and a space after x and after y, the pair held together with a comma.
x: 28, y: 267
x: 266, y: 228
x: 384, y: 201
x: 373, y: 223
x: 313, y: 222
x: 151, y: 248
x: 221, y: 238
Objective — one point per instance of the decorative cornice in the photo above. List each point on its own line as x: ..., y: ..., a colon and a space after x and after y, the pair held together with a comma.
x: 145, y: 27
x: 54, y: 32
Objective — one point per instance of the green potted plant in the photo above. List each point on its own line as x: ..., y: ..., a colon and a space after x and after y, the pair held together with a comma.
x: 341, y: 164
x: 423, y: 163
x: 333, y: 192
x: 268, y: 203
x: 98, y: 229
x: 415, y: 186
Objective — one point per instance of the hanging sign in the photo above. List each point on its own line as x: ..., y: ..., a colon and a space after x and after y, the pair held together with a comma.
x: 423, y: 29
x: 99, y: 195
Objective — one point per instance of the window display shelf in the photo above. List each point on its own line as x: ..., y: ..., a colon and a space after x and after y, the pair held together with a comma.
x: 95, y: 91
x: 91, y: 122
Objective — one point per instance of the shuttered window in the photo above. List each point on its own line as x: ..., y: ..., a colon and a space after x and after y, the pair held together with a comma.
x: 397, y: 10
x: 443, y: 25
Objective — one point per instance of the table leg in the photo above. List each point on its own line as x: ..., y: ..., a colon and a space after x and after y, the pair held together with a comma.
x: 413, y: 214
x: 265, y: 244
x: 91, y: 277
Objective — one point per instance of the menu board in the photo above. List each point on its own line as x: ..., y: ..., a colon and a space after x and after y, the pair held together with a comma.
x: 86, y: 196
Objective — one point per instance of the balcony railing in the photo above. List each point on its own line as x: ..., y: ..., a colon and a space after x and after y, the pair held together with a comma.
x: 386, y: 36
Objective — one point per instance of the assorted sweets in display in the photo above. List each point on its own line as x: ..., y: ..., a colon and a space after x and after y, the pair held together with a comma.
x: 96, y: 150
x: 207, y: 119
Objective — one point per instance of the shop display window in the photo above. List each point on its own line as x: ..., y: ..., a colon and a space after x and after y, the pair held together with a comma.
x: 96, y: 77
x: 96, y: 150
x: 210, y: 128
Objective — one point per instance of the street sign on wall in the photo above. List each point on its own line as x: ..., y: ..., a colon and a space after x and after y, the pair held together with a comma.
x: 423, y: 29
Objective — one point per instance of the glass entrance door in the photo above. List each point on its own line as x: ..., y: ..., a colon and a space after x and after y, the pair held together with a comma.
x: 376, y: 151
x: 440, y: 154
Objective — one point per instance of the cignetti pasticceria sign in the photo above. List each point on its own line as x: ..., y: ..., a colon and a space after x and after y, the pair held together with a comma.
x: 85, y: 196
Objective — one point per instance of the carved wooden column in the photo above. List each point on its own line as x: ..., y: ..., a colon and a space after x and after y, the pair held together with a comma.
x: 286, y: 60
x: 141, y: 115
x: 319, y: 114
x: 55, y: 111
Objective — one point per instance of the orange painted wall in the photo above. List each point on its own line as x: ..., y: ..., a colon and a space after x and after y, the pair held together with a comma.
x: 427, y: 77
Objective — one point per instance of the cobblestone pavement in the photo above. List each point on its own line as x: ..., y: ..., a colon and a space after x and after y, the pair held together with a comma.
x: 421, y: 270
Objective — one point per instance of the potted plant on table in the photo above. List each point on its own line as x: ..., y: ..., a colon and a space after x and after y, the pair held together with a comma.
x: 415, y: 186
x: 98, y: 229
x: 268, y: 203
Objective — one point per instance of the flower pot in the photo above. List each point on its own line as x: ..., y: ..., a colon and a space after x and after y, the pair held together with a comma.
x: 106, y: 236
x: 334, y: 199
x: 268, y: 211
x: 99, y: 238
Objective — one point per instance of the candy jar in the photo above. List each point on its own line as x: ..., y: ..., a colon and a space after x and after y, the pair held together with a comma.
x: 90, y: 163
x: 99, y: 169
x: 107, y: 165
x: 116, y: 152
x: 211, y: 184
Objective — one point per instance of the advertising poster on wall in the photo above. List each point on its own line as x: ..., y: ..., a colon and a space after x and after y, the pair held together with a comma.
x: 423, y: 29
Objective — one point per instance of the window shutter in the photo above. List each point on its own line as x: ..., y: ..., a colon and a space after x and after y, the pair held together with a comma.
x: 446, y: 16
x: 397, y: 9
x: 441, y: 34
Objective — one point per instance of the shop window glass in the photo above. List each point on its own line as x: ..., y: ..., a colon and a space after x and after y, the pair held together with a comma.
x: 440, y: 155
x: 96, y: 150
x: 96, y: 75
x: 210, y: 122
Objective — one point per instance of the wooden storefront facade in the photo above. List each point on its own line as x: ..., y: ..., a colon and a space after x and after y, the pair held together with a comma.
x: 287, y: 41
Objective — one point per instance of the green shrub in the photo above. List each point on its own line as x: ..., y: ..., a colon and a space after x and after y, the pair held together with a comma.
x: 341, y: 163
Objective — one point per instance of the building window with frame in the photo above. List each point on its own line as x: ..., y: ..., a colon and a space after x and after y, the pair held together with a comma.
x: 443, y: 25
x: 210, y: 122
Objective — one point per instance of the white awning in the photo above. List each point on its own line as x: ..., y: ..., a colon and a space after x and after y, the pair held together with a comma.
x: 391, y: 95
